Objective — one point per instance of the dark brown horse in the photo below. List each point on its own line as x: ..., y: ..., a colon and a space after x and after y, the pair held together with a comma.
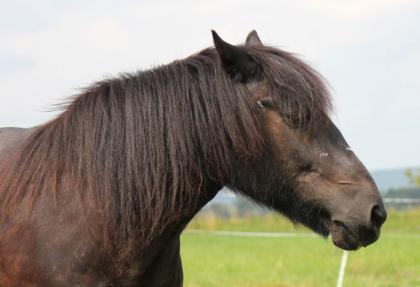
x: 100, y: 195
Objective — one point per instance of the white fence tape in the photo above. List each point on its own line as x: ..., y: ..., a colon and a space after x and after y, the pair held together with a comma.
x: 401, y: 200
x: 250, y: 234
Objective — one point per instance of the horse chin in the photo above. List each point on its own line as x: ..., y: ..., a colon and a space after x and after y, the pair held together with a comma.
x: 343, y: 237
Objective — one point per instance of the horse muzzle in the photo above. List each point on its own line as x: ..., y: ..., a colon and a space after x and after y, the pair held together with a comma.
x: 352, y: 234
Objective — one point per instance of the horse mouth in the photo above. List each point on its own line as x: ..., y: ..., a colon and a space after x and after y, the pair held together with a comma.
x: 343, y: 237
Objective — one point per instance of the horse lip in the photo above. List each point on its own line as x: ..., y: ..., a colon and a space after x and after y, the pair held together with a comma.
x: 343, y: 237
x: 370, y: 236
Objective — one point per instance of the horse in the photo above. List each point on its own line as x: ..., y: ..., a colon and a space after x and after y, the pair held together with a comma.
x: 100, y: 195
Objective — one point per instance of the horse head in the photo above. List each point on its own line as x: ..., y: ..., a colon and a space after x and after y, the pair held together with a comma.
x: 305, y: 170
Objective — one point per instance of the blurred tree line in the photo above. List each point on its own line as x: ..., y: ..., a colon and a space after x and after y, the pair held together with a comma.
x: 414, y: 176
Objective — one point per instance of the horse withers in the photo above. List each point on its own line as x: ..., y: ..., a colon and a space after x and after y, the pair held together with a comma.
x: 10, y: 138
x: 100, y: 195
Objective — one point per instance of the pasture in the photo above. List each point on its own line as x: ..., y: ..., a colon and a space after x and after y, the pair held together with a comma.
x: 303, y: 260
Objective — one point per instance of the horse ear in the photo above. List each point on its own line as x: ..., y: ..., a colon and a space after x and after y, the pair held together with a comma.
x: 253, y: 40
x: 237, y: 62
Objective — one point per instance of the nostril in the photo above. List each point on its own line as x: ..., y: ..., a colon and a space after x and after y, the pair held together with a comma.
x: 378, y: 215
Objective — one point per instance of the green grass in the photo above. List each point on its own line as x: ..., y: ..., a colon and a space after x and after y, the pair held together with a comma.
x: 211, y: 260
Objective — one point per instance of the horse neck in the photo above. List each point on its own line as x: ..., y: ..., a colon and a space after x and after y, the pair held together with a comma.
x: 174, y: 230
x: 207, y: 194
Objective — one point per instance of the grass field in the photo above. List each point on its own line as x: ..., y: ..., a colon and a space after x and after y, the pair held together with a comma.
x: 212, y: 260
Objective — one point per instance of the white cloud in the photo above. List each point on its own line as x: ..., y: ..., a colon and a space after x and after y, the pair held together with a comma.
x: 351, y: 9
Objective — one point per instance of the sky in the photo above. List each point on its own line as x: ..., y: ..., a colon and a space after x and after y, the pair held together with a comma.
x: 368, y: 50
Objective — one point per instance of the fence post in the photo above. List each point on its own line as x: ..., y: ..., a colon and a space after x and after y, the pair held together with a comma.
x: 342, y: 268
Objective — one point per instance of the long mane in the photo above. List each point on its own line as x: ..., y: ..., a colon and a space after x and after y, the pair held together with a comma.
x: 140, y: 147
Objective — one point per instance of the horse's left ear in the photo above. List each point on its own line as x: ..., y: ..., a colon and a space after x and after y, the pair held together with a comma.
x: 237, y: 62
x: 252, y: 39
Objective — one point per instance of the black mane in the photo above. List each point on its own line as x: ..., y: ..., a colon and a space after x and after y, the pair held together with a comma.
x: 139, y: 146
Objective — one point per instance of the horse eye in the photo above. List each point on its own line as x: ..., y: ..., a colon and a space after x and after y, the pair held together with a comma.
x: 308, y: 167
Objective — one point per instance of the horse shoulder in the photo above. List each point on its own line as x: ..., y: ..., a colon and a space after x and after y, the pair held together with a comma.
x: 52, y: 247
